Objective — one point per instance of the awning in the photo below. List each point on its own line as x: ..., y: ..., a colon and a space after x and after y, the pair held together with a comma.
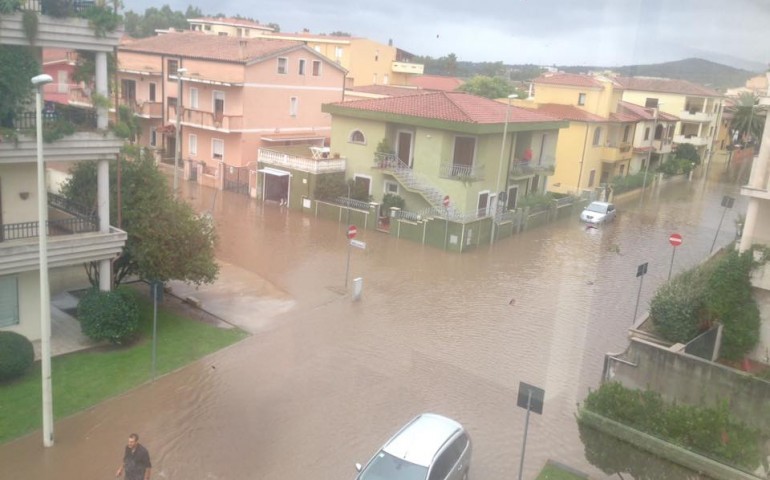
x: 273, y: 171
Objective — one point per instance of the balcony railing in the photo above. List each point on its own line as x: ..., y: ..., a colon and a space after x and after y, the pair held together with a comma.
x: 461, y: 172
x: 56, y: 8
x: 692, y: 139
x: 67, y: 226
x: 146, y: 109
x: 546, y: 165
x: 201, y: 118
x: 80, y: 118
x: 303, y: 164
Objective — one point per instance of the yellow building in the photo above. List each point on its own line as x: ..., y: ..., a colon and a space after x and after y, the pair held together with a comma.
x: 367, y: 62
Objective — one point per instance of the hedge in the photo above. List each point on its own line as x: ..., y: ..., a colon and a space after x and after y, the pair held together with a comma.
x: 112, y: 316
x: 16, y: 355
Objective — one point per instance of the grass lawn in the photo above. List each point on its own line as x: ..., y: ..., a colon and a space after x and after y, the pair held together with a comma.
x: 553, y: 472
x: 83, y: 379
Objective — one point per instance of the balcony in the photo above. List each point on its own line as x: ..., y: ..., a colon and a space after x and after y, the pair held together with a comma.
x: 72, y: 148
x: 692, y: 139
x: 616, y: 152
x: 144, y: 109
x: 293, y: 158
x: 520, y: 168
x: 695, y: 115
x: 455, y: 171
x: 406, y: 67
x: 204, y: 119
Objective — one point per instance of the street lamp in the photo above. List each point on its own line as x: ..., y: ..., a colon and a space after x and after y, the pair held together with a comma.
x: 649, y: 152
x: 45, y: 294
x: 500, y: 169
x: 178, y: 145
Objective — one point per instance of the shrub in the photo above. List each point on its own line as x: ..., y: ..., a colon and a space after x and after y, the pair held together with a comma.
x: 391, y: 200
x: 700, y: 429
x: 330, y: 186
x: 16, y: 355
x: 112, y: 316
x: 629, y: 182
x: 677, y: 307
x: 675, y: 166
x: 537, y: 202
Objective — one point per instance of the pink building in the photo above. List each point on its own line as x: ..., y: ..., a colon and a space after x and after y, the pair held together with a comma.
x: 238, y: 94
x: 60, y: 64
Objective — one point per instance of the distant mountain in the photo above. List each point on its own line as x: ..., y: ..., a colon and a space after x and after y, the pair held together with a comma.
x: 710, y: 74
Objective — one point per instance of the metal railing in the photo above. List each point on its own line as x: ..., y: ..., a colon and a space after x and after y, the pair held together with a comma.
x: 81, y: 118
x: 461, y: 172
x: 64, y: 204
x: 207, y: 119
x: 67, y: 226
x: 321, y: 165
x: 56, y: 8
x: 407, y: 177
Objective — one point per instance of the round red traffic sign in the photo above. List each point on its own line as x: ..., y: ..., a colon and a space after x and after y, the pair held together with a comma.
x: 352, y: 231
x: 675, y: 239
x: 446, y: 201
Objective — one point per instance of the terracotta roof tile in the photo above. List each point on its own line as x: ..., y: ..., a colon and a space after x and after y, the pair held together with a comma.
x: 643, y: 113
x: 569, y: 112
x: 436, y: 82
x: 450, y: 106
x: 229, y: 21
x: 571, y: 79
x: 210, y: 47
x: 666, y: 85
x: 624, y: 117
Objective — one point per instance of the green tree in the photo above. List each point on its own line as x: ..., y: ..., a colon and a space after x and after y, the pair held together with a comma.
x: 685, y: 151
x: 489, y: 87
x: 144, y: 25
x: 276, y: 28
x: 167, y: 240
x: 17, y: 66
x: 748, y: 118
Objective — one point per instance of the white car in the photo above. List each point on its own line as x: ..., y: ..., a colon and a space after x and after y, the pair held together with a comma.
x: 598, y: 212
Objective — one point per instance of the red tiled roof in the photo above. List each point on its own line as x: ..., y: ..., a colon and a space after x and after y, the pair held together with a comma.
x: 436, y: 82
x: 623, y: 117
x: 571, y: 79
x: 450, y: 106
x: 386, y: 90
x: 569, y: 112
x: 643, y: 113
x: 210, y: 47
x: 229, y: 21
x: 667, y: 85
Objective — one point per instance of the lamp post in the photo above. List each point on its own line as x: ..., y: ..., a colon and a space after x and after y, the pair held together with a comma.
x: 649, y: 152
x: 500, y: 170
x: 45, y: 294
x: 178, y: 143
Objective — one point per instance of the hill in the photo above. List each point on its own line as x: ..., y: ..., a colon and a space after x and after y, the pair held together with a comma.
x: 704, y: 72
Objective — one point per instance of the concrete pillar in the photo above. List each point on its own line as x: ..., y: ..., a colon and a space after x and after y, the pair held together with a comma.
x: 758, y: 181
x: 103, y: 208
x: 101, y: 88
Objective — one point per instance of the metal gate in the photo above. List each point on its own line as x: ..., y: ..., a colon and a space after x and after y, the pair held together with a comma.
x: 236, y: 179
x: 193, y: 169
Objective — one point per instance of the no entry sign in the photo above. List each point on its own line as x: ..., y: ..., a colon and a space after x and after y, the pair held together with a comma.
x: 446, y: 201
x: 675, y: 239
x: 352, y: 231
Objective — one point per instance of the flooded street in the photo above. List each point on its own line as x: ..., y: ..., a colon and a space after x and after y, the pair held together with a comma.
x: 323, y: 385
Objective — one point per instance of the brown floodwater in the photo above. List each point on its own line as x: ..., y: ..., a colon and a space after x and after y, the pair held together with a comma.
x: 326, y: 383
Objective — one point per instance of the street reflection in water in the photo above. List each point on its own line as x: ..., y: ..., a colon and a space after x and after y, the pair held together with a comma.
x: 323, y: 385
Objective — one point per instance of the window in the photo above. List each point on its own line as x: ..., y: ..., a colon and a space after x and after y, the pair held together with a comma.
x: 651, y: 102
x: 193, y: 145
x: 658, y: 132
x: 591, y: 178
x: 193, y: 97
x: 357, y: 136
x: 9, y: 301
x: 464, y: 152
x: 622, y: 170
x: 626, y: 133
x: 207, y: 28
x: 597, y: 136
x: 153, y: 138
x: 222, y: 34
x: 153, y: 88
x: 171, y: 67
x: 316, y: 68
x: 317, y: 48
x: 581, y: 99
x: 282, y: 66
x: 385, y: 79
x: 301, y: 66
x: 293, y: 105
x: 647, y: 133
x: 217, y: 149
x: 391, y: 187
x: 338, y: 53
x: 363, y: 183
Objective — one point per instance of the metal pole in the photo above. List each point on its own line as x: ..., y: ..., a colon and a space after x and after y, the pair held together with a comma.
x: 178, y: 143
x: 348, y: 203
x: 446, y: 227
x: 45, y: 294
x: 673, y: 252
x: 649, y: 154
x: 499, y: 172
x: 639, y: 294
x: 526, y: 427
x: 718, y: 228
x: 155, y: 285
x: 347, y: 266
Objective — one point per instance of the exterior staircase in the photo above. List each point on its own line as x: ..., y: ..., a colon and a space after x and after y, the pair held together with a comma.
x: 413, y: 183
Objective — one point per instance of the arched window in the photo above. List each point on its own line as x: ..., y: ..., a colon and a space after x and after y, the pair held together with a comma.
x: 357, y: 136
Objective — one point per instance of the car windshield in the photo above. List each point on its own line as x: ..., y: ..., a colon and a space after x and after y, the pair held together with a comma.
x: 387, y: 467
x: 597, y: 207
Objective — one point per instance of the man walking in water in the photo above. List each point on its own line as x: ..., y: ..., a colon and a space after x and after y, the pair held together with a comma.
x: 136, y: 461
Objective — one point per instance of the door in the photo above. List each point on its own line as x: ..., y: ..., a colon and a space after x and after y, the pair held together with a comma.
x: 513, y: 193
x: 219, y: 107
x: 483, y: 204
x: 276, y: 188
x: 128, y: 92
x: 462, y: 158
x: 404, y: 147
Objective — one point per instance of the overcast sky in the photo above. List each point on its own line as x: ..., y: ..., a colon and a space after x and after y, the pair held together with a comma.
x: 545, y: 32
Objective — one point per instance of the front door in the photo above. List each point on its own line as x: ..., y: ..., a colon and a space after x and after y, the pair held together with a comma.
x: 404, y: 147
x: 481, y: 209
x: 513, y: 193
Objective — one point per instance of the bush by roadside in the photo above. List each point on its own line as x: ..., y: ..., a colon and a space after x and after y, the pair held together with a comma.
x: 16, y: 355
x: 112, y: 316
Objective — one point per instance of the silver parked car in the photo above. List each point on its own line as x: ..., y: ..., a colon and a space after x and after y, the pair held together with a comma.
x: 430, y: 447
x: 598, y: 212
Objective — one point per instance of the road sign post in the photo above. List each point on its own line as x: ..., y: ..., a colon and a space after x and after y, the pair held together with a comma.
x: 641, y: 270
x: 351, y: 234
x: 530, y: 398
x: 445, y: 202
x: 675, y: 240
x: 727, y: 202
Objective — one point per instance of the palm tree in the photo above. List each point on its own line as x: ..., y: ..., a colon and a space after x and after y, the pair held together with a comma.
x: 748, y: 118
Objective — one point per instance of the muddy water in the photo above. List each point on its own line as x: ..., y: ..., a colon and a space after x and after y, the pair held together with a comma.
x: 329, y: 381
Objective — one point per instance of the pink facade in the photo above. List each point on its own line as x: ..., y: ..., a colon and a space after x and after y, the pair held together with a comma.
x: 229, y: 107
x: 60, y: 65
